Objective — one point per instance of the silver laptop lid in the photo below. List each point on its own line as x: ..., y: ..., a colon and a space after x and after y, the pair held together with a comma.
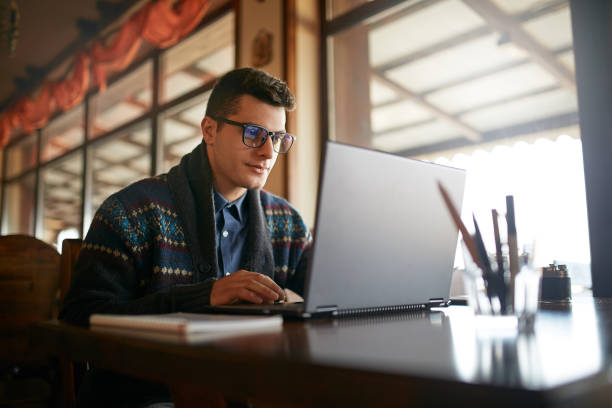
x: 383, y: 235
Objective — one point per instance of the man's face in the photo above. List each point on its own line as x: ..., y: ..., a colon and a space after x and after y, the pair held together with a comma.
x: 235, y: 166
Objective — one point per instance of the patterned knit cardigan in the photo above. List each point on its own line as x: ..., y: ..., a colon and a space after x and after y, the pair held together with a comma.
x: 151, y: 246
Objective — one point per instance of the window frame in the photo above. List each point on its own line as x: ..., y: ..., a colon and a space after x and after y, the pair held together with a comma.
x: 153, y: 115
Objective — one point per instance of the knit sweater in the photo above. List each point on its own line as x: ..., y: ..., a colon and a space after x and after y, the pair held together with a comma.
x: 151, y: 246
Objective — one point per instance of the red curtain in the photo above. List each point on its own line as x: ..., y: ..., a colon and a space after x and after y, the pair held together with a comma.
x: 70, y: 93
x: 121, y: 51
x: 162, y: 23
x: 166, y: 25
x: 34, y: 113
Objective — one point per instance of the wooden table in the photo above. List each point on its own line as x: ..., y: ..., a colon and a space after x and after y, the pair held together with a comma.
x: 430, y: 358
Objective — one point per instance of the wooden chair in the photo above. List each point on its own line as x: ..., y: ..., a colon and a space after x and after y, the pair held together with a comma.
x: 70, y: 373
x: 29, y: 280
x: 70, y: 253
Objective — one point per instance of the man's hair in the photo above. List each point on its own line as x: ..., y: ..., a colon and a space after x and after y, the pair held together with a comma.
x: 225, y: 97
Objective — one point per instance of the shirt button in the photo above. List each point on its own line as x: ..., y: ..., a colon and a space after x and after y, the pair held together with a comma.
x: 225, y: 234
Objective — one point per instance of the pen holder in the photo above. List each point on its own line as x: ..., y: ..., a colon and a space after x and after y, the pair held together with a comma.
x: 507, y: 305
x: 526, y: 293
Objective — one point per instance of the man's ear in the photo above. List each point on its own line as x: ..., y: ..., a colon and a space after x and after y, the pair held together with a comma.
x: 209, y: 130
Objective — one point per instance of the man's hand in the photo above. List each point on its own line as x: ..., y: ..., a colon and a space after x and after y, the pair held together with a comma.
x: 247, y: 286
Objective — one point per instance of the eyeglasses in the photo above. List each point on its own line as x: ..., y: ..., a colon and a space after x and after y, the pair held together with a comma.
x: 256, y: 136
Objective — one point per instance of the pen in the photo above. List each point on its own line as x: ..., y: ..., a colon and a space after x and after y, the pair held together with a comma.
x: 498, y: 247
x: 500, y: 259
x: 487, y: 272
x: 512, y: 243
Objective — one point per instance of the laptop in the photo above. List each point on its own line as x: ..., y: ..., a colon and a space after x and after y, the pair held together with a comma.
x: 384, y: 240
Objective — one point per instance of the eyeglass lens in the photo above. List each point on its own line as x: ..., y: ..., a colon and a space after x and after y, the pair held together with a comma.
x: 255, y: 136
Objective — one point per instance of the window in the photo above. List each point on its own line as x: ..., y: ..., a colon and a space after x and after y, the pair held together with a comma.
x: 21, y: 156
x: 18, y: 214
x: 63, y: 134
x: 487, y: 86
x: 120, y: 160
x: 336, y: 8
x: 200, y: 59
x: 180, y: 129
x: 127, y: 99
x: 107, y: 142
x: 61, y: 196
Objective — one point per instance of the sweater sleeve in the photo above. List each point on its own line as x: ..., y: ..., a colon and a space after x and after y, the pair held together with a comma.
x: 107, y: 275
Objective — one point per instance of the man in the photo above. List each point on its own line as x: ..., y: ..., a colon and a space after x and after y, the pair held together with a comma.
x: 204, y: 233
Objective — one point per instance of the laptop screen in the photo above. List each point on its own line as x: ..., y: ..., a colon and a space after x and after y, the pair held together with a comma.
x: 383, y: 235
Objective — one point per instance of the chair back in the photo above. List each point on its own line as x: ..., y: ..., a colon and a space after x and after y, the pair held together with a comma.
x: 71, y: 374
x: 29, y: 280
x: 71, y: 248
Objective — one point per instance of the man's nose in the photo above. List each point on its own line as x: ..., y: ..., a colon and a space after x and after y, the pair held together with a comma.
x: 267, y: 149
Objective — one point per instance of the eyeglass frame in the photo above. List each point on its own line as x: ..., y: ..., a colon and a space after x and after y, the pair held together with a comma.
x: 269, y: 134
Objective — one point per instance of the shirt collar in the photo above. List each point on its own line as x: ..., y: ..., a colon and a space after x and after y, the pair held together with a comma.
x: 220, y: 203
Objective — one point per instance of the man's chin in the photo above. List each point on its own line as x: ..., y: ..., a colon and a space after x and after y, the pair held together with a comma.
x: 255, y: 184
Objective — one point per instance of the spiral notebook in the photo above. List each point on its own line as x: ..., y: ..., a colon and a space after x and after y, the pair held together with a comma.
x: 383, y: 238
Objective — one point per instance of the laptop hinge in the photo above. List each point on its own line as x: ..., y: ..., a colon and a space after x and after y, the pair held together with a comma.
x: 436, y: 301
x: 327, y: 308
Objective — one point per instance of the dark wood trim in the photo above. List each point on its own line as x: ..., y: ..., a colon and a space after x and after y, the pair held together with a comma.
x: 290, y: 73
x: 3, y: 186
x: 323, y: 92
x: 87, y: 190
x: 592, y: 32
x: 237, y: 31
x: 37, y: 187
x: 85, y: 180
x: 156, y: 143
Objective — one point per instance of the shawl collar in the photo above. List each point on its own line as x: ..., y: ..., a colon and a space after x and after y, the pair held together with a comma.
x: 191, y: 184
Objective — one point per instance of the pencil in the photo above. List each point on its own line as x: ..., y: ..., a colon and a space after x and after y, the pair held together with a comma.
x: 469, y: 242
x: 499, y: 258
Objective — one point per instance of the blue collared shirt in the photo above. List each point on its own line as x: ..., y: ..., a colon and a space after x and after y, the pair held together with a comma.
x: 231, y: 221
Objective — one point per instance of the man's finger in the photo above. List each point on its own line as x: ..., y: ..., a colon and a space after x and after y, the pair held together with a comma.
x: 262, y: 279
x: 265, y: 280
x: 262, y: 290
x: 249, y: 296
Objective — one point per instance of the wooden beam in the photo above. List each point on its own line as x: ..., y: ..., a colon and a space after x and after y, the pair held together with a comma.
x: 486, y: 72
x: 540, y: 125
x: 467, y: 131
x: 501, y: 101
x: 434, y: 49
x: 505, y: 23
x: 123, y: 163
x: 466, y: 37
